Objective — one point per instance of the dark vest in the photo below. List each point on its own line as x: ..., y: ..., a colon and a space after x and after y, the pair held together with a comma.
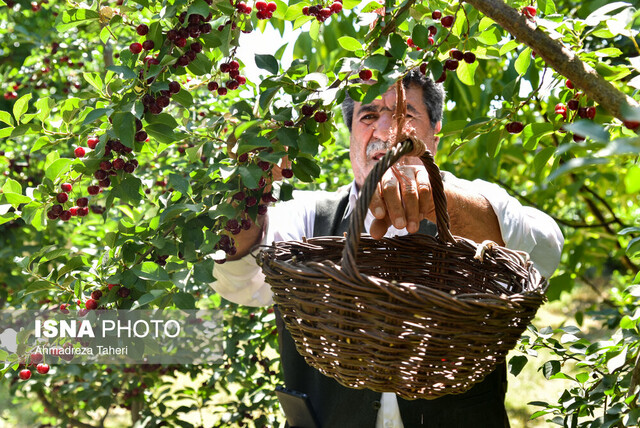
x: 337, y: 406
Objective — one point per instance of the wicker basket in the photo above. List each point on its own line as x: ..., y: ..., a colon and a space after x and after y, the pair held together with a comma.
x: 415, y: 315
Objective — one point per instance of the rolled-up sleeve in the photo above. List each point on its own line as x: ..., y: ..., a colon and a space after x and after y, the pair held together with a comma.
x: 525, y: 228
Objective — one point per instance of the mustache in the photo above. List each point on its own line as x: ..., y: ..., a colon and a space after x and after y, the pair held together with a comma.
x: 376, y: 146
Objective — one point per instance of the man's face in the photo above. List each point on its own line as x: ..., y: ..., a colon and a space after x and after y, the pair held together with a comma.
x: 373, y: 124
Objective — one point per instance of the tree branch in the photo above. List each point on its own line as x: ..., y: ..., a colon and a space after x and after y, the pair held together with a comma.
x: 53, y: 410
x: 559, y: 57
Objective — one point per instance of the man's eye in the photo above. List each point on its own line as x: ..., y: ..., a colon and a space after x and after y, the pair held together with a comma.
x: 368, y: 117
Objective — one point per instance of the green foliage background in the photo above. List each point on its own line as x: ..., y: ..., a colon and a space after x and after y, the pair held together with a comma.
x: 157, y: 231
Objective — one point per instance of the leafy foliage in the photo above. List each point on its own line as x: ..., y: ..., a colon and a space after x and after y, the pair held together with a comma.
x: 173, y: 148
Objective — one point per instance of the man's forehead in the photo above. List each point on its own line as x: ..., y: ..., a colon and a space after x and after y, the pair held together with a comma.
x: 388, y: 101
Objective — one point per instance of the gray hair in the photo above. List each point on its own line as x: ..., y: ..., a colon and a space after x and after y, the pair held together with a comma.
x: 432, y: 96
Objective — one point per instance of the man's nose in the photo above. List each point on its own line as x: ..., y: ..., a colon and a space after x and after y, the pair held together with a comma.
x: 383, y: 126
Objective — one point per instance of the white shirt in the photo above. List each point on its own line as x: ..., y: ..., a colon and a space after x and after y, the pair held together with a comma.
x: 522, y: 228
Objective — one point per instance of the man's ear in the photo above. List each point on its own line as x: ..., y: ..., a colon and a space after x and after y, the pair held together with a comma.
x: 433, y: 147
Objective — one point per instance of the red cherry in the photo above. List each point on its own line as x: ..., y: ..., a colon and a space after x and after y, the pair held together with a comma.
x: 91, y: 304
x: 79, y: 152
x: 442, y: 77
x: 307, y: 110
x: 73, y: 211
x: 578, y: 138
x: 456, y: 54
x: 287, y: 173
x: 62, y: 197
x: 631, y: 124
x: 234, y: 65
x: 65, y: 215
x: 365, y: 74
x: 82, y: 202
x: 141, y: 136
x: 423, y: 68
x: 25, y: 374
x: 66, y: 187
x: 92, y: 142
x: 573, y: 104
x: 93, y: 190
x: 112, y: 285
x: 174, y: 87
x: 135, y: 48
x: 561, y: 109
x: 569, y: 84
x: 410, y: 42
x: 447, y: 21
x: 142, y: 29
x: 514, y: 127
x: 271, y: 7
x: 529, y: 11
x: 336, y: 7
x: 469, y: 57
x: 450, y: 64
x: 36, y: 358
x: 83, y: 211
x: 591, y: 112
x: 42, y: 368
x: 261, y: 5
x: 436, y: 14
x: 147, y: 45
x: 124, y: 292
x: 320, y: 117
x: 212, y: 86
x: 181, y: 42
x: 222, y: 91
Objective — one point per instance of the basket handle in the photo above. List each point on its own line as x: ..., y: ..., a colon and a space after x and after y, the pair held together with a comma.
x: 356, y: 222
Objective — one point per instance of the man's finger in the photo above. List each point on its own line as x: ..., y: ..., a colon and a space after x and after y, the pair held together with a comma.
x: 409, y: 192
x: 424, y: 193
x: 377, y: 204
x: 393, y: 199
x: 379, y: 227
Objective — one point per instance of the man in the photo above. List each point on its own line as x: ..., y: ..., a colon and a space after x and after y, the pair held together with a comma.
x: 478, y: 210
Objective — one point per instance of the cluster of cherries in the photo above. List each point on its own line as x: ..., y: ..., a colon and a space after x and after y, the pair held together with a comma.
x: 265, y: 10
x: 155, y: 104
x: 232, y: 68
x: 35, y: 359
x: 321, y: 12
x: 57, y: 211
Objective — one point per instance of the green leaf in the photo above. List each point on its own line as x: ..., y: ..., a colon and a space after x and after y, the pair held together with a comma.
x: 305, y: 169
x: 508, y: 47
x: 466, y: 72
x: 550, y: 368
x: 38, y: 286
x: 587, y: 128
x: 44, y: 106
x: 94, y: 80
x: 96, y: 114
x: 21, y: 106
x: 267, y: 62
x: 398, y: 46
x: 57, y: 168
x: 201, y: 65
x: 184, y: 98
x: 251, y: 175
x: 40, y: 143
x: 376, y: 62
x: 11, y: 186
x: 617, y: 361
x: 576, y: 164
x: 632, y: 180
x: 523, y: 61
x: 122, y: 71
x: 124, y: 126
x: 6, y: 117
x: 420, y: 35
x: 180, y: 183
x: 70, y: 266
x: 129, y: 190
x: 372, y: 6
x: 148, y: 298
x: 163, y: 133
x: 198, y: 7
x: 633, y: 249
x: 516, y: 364
x: 245, y: 146
x: 69, y: 19
x: 150, y: 271
x: 349, y: 43
x: 184, y: 300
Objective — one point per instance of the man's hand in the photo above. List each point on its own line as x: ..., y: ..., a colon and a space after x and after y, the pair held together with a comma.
x: 402, y: 200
